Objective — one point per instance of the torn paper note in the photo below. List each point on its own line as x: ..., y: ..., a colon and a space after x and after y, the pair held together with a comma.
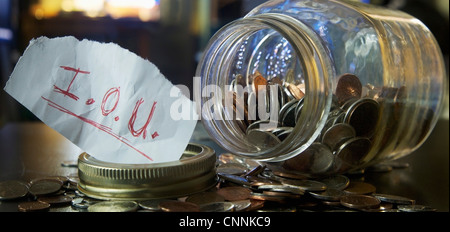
x: 108, y: 101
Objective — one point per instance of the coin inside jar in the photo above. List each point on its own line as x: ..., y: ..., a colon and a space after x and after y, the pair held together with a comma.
x: 353, y: 151
x: 317, y: 158
x: 349, y: 86
x: 337, y: 134
x: 363, y: 116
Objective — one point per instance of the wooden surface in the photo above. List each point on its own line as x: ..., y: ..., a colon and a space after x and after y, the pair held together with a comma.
x: 31, y: 150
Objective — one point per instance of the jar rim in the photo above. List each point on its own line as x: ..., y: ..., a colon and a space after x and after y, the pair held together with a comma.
x: 315, y: 62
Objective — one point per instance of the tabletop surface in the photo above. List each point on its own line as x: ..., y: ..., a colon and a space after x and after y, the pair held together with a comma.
x: 32, y: 150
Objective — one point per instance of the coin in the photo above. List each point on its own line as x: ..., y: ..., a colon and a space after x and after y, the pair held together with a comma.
x: 415, y: 208
x: 337, y: 134
x: 255, y: 171
x: 394, y: 199
x: 152, y: 205
x: 33, y: 206
x: 352, y: 152
x: 232, y: 168
x: 12, y: 189
x: 259, y: 82
x: 307, y: 185
x: 234, y: 179
x: 114, y: 206
x: 316, y: 159
x: 330, y: 194
x: 45, y: 186
x: 262, y: 138
x: 339, y: 182
x: 265, y: 197
x: 205, y: 198
x: 360, y: 202
x: 217, y: 207
x: 349, y: 86
x: 56, y: 200
x: 295, y: 91
x: 241, y: 205
x: 178, y: 206
x: 234, y: 193
x: 359, y: 188
x: 363, y: 116
x: 80, y: 203
x: 255, y: 204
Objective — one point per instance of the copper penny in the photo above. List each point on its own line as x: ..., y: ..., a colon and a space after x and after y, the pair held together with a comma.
x: 349, y: 86
x: 204, y: 198
x: 32, y: 206
x: 359, y: 188
x: 178, y: 206
x: 360, y: 202
x: 295, y: 91
x: 234, y: 193
x: 56, y: 200
x: 12, y: 190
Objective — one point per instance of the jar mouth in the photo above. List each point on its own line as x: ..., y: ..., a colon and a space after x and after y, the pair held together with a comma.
x: 278, y: 47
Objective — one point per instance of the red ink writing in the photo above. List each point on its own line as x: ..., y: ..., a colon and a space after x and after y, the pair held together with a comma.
x: 109, y: 93
x: 99, y: 126
x: 66, y: 92
x: 143, y: 129
x: 154, y: 135
x: 90, y: 101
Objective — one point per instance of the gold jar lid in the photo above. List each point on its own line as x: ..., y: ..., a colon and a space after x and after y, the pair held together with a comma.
x: 194, y: 172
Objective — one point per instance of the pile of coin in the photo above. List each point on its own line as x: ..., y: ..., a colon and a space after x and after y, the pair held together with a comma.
x: 244, y: 185
x: 344, y: 142
x: 39, y: 194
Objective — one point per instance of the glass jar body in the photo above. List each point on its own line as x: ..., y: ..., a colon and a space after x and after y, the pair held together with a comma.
x: 322, y: 87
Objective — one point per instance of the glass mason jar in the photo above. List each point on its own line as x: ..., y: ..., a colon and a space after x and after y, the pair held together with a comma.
x: 322, y: 86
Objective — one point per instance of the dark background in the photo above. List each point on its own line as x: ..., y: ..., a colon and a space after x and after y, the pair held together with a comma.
x: 172, y: 37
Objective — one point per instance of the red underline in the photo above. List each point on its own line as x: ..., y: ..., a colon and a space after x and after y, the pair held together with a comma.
x: 99, y: 126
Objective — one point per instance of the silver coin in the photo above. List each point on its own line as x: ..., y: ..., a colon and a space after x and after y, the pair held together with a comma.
x: 363, y: 116
x: 353, y: 151
x: 114, y: 206
x: 232, y: 168
x: 415, y: 208
x: 316, y: 159
x: 337, y: 134
x: 262, y: 138
x: 241, y: 205
x: 264, y: 125
x: 394, y: 199
x: 288, y: 119
x: 234, y: 179
x: 152, y: 205
x: 217, y: 207
x: 282, y: 136
x: 307, y: 185
x: 330, y: 194
x: 339, y: 182
x: 360, y: 201
x: 283, y: 188
x: 285, y: 108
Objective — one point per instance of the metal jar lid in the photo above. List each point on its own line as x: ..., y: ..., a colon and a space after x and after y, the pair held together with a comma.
x: 194, y: 172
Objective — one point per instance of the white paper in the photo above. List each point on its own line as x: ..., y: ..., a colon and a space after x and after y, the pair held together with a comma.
x: 108, y: 101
